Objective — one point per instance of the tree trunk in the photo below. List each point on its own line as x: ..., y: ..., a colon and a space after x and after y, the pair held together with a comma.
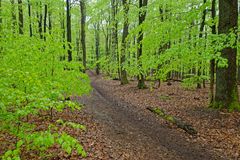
x: 20, y: 17
x: 114, y: 32
x: 212, y: 62
x: 69, y: 31
x: 30, y: 19
x: 226, y: 82
x: 179, y: 123
x: 200, y: 36
x: 124, y: 79
x: 45, y: 21
x: 97, y: 41
x: 83, y: 32
x: 40, y: 18
x: 50, y: 22
x: 142, y: 16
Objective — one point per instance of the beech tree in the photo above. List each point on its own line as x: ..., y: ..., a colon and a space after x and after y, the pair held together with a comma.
x: 20, y: 17
x: 141, y: 18
x: 226, y: 77
x: 69, y: 30
x: 83, y: 31
x: 124, y: 79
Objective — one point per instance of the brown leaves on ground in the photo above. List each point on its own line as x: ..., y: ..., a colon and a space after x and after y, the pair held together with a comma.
x: 219, y: 130
x: 94, y: 143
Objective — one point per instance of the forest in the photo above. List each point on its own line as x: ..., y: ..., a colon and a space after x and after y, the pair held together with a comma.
x: 119, y: 79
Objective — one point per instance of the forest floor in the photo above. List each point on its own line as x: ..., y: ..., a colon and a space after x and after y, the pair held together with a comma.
x: 132, y: 132
x: 119, y: 126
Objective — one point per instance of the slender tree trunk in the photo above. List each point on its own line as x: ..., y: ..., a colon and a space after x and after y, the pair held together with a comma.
x: 124, y: 79
x: 50, y: 22
x: 109, y: 35
x: 114, y: 32
x: 142, y: 16
x: 97, y: 42
x: 20, y: 17
x: 201, y: 36
x: 30, y: 19
x: 226, y: 83
x: 63, y: 30
x: 212, y: 62
x: 83, y: 32
x: 69, y: 31
x: 45, y: 21
x: 40, y: 19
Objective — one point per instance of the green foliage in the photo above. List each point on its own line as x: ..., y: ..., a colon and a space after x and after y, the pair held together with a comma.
x: 193, y: 80
x: 34, y: 79
x: 68, y: 144
x: 71, y: 124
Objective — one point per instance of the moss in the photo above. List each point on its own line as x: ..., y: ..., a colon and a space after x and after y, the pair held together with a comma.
x: 234, y: 105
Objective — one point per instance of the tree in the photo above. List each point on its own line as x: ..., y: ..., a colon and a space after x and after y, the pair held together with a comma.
x: 40, y: 19
x: 212, y: 61
x: 141, y: 18
x: 45, y: 21
x: 30, y: 19
x: 83, y: 31
x: 124, y: 79
x: 69, y: 31
x: 20, y: 17
x: 226, y: 78
x: 114, y: 45
x: 97, y: 49
x: 201, y: 36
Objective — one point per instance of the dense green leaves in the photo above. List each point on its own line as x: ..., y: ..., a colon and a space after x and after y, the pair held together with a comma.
x: 34, y: 78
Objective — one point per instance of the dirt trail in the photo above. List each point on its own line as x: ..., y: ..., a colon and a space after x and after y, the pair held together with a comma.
x: 133, y: 134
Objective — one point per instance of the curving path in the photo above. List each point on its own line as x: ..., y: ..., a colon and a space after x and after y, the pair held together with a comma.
x: 136, y: 135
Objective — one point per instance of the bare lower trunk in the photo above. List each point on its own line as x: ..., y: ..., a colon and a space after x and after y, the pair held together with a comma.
x: 226, y: 83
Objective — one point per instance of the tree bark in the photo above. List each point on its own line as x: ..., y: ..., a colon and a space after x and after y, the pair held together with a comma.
x: 226, y: 83
x: 97, y: 42
x: 30, y: 19
x: 40, y: 19
x: 124, y: 79
x: 212, y: 62
x: 20, y: 17
x: 83, y: 32
x: 180, y: 124
x: 50, y: 22
x: 200, y: 36
x: 45, y: 21
x: 141, y: 18
x: 69, y: 31
x: 114, y: 50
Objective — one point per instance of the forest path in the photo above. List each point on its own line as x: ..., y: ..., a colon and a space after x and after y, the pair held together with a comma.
x: 135, y: 134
